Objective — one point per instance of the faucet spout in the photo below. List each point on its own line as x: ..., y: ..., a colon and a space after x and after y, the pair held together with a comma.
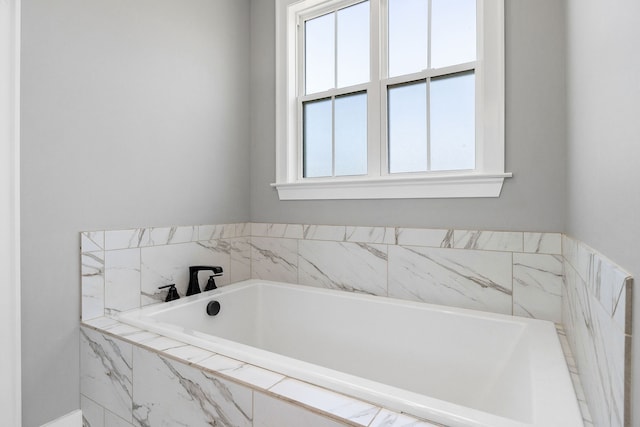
x: 194, y: 285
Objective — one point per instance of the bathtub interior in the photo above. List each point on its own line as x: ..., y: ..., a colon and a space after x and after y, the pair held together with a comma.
x: 473, y: 360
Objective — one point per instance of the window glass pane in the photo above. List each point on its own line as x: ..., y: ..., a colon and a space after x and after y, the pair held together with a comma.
x: 353, y: 45
x: 453, y: 32
x: 408, y: 22
x: 408, y: 128
x: 351, y: 134
x: 318, y: 151
x: 320, y: 53
x: 453, y: 122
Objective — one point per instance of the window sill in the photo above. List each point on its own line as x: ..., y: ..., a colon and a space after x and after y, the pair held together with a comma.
x: 441, y: 186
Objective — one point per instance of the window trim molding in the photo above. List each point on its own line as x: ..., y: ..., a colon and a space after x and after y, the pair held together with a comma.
x: 440, y: 186
x: 486, y: 181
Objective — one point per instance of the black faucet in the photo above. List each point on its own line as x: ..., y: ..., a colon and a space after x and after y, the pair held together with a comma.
x: 194, y: 286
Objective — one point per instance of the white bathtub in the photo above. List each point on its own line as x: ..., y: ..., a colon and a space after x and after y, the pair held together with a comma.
x: 452, y: 366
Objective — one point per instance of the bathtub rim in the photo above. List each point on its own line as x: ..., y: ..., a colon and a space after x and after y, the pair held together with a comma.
x: 436, y: 410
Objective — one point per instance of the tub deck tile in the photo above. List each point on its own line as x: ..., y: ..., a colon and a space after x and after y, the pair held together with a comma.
x: 386, y: 418
x: 252, y: 375
x: 345, y: 407
x: 103, y: 323
x: 162, y: 343
x: 189, y: 353
x: 125, y: 331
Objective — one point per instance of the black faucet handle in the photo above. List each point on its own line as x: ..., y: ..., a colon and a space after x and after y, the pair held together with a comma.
x: 172, y: 294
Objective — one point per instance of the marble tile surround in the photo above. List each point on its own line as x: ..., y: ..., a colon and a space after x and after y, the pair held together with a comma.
x: 122, y: 269
x: 542, y: 275
x: 129, y: 378
x: 505, y: 272
x: 139, y: 375
x: 596, y: 314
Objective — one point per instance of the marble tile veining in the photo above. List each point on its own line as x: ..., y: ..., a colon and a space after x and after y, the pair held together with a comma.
x: 215, y: 232
x: 463, y: 278
x: 600, y: 345
x: 243, y: 229
x: 346, y: 266
x: 92, y: 271
x: 171, y: 235
x: 240, y: 261
x: 162, y: 343
x: 432, y: 238
x: 126, y: 239
x: 606, y: 282
x: 488, y: 240
x: 106, y: 367
x: 537, y: 286
x: 274, y: 259
x: 171, y: 393
x: 189, y: 353
x: 384, y: 235
x: 122, y: 280
x: 543, y: 243
x: 241, y: 371
x: 287, y: 231
x: 91, y: 241
x: 334, y: 233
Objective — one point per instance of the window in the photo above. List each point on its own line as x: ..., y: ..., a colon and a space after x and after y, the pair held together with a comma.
x: 389, y: 99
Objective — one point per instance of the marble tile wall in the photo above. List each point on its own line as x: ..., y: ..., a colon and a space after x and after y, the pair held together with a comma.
x: 516, y: 273
x: 505, y: 272
x: 122, y: 269
x: 596, y: 314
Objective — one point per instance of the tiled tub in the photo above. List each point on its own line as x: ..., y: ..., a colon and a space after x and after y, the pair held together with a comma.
x: 452, y: 366
x: 519, y: 273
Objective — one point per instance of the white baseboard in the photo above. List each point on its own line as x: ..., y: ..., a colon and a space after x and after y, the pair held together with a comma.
x: 72, y: 419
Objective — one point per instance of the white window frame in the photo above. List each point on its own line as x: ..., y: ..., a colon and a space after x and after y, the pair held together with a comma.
x: 486, y: 180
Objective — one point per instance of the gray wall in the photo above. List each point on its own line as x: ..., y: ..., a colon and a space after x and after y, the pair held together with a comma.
x: 534, y: 199
x: 134, y: 113
x: 603, y: 128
